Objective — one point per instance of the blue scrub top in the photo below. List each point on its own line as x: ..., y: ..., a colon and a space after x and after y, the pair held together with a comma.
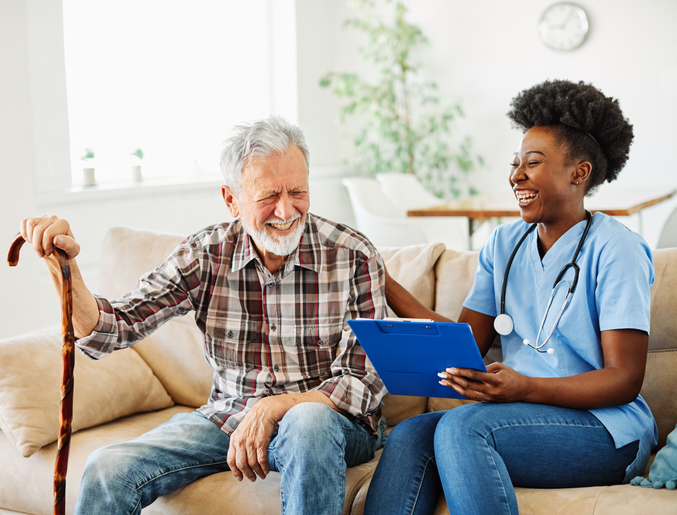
x: 613, y: 292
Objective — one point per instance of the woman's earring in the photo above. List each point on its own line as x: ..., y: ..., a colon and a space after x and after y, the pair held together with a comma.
x: 576, y: 183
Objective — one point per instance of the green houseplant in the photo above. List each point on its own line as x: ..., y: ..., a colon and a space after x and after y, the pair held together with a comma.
x: 405, y: 126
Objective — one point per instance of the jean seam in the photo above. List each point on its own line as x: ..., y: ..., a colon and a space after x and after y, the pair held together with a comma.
x: 549, y: 424
x: 420, y: 484
x: 279, y: 464
x: 500, y: 479
x: 178, y: 470
x: 531, y: 424
x: 342, y: 458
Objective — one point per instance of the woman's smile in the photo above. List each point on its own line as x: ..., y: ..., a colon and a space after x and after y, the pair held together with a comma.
x: 525, y: 197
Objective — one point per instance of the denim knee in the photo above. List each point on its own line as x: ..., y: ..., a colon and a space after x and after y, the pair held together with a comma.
x: 108, y: 464
x: 308, y: 420
x: 308, y: 432
x: 461, y: 423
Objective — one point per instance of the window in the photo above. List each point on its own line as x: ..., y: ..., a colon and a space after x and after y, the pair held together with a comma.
x: 167, y: 77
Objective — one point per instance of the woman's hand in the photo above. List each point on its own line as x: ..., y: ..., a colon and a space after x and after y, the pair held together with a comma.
x: 499, y: 383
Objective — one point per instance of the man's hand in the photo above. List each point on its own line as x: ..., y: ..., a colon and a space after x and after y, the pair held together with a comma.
x: 248, y: 451
x: 44, y: 232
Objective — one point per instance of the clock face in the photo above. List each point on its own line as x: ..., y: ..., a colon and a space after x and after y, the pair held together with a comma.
x: 563, y: 26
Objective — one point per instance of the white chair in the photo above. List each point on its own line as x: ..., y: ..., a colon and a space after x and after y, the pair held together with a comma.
x: 382, y: 222
x: 405, y: 191
x: 668, y: 237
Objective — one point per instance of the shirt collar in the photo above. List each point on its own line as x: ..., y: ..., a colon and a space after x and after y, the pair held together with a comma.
x: 306, y: 255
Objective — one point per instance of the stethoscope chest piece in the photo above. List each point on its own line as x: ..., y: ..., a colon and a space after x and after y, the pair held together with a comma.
x: 503, y: 324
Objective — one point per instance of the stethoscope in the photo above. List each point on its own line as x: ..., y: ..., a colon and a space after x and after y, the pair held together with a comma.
x: 503, y: 323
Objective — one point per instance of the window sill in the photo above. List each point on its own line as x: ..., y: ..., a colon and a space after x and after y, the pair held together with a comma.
x: 124, y: 190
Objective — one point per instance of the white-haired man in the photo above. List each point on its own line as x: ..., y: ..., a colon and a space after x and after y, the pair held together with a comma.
x: 272, y: 291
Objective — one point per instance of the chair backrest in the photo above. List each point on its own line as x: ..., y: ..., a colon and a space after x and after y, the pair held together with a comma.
x: 668, y: 236
x: 379, y: 219
x: 405, y: 190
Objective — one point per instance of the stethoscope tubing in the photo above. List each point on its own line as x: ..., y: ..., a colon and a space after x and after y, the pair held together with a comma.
x: 572, y: 288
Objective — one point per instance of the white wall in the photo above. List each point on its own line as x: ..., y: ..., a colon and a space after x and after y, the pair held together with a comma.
x: 482, y: 52
x: 34, y: 143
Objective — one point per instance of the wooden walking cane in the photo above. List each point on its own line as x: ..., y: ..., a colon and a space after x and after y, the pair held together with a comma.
x: 68, y: 362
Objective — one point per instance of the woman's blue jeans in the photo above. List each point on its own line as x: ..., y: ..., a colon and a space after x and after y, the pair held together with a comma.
x: 477, y: 453
x: 313, y: 447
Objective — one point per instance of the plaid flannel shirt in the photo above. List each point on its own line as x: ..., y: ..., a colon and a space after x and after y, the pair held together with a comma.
x: 264, y: 334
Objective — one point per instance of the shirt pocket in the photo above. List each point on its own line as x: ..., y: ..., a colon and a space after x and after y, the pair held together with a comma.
x: 317, y: 348
x: 232, y: 343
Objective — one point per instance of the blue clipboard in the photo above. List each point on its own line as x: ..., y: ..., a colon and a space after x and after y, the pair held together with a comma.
x: 408, y: 355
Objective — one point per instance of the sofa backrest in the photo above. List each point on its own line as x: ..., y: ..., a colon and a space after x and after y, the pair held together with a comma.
x: 438, y: 278
x: 660, y: 380
x: 175, y: 351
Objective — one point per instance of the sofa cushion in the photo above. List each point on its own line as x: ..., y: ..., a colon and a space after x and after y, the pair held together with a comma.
x: 30, y: 377
x: 658, y: 390
x: 414, y: 268
x: 456, y: 271
x: 221, y: 493
x: 663, y: 297
x: 26, y: 483
x: 660, y: 379
x: 127, y: 254
x: 175, y: 351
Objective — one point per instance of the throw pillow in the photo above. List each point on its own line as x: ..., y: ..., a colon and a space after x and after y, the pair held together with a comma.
x: 30, y: 376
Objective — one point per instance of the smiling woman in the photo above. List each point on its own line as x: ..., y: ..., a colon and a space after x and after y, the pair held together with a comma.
x: 569, y: 384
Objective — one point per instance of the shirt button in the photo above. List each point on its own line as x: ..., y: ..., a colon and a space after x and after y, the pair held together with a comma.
x: 273, y: 327
x: 276, y: 368
x: 320, y: 342
x: 230, y: 334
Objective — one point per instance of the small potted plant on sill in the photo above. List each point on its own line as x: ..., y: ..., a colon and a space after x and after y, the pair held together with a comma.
x: 88, y: 169
x: 137, y: 156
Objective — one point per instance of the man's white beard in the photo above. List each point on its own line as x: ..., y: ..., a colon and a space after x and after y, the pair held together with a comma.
x: 280, y: 246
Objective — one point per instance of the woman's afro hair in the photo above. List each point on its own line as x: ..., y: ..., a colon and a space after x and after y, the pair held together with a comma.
x: 589, y: 123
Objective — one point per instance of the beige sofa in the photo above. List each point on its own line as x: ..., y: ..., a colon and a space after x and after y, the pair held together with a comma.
x: 132, y: 391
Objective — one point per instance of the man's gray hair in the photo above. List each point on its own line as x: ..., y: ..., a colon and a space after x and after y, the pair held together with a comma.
x: 259, y: 139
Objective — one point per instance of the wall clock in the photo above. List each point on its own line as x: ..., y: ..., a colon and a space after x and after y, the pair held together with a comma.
x: 563, y: 26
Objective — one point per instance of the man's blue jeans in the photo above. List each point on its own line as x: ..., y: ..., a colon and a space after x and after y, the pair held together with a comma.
x: 313, y: 447
x: 477, y: 453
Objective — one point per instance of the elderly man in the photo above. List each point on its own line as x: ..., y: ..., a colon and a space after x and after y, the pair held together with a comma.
x: 293, y: 391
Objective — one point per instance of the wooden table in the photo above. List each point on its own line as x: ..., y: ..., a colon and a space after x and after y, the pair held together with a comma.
x: 613, y: 201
